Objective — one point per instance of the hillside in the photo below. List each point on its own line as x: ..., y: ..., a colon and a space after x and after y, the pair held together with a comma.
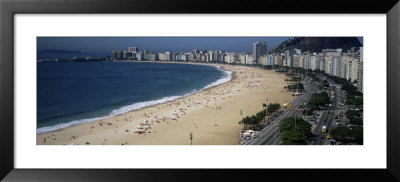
x: 316, y: 44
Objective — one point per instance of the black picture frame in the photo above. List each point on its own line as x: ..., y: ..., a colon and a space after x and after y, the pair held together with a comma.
x: 9, y: 8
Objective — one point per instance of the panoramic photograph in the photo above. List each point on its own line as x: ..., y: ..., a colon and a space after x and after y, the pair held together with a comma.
x: 199, y: 91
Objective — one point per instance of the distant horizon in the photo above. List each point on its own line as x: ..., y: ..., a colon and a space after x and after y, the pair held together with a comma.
x: 156, y: 44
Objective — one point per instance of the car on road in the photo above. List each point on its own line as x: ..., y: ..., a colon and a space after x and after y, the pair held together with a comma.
x: 338, y: 122
x: 324, y: 130
x: 332, y: 142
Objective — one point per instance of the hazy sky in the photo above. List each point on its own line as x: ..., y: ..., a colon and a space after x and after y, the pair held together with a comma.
x: 157, y: 44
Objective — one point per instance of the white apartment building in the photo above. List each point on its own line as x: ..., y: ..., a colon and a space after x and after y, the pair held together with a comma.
x: 271, y: 60
x: 328, y: 65
x: 301, y: 64
x: 321, y: 60
x: 249, y: 59
x: 231, y: 58
x: 263, y: 60
x: 296, y: 60
x: 161, y: 56
x: 287, y: 58
x: 355, y: 70
x: 242, y: 58
x: 337, y: 66
x: 360, y: 83
x: 307, y: 61
x: 314, y: 62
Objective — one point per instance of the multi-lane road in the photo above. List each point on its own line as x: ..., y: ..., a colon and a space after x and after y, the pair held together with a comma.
x: 270, y: 135
x: 328, y: 118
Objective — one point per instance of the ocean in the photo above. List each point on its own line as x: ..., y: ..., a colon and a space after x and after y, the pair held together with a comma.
x: 70, y: 93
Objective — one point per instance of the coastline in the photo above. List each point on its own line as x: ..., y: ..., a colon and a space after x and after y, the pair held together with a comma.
x: 140, y: 105
x: 191, y: 110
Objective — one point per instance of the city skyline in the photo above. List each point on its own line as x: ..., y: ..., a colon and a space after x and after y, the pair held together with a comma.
x: 157, y: 44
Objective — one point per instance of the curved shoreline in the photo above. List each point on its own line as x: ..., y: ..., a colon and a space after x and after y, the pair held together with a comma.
x: 212, y: 115
x: 141, y: 105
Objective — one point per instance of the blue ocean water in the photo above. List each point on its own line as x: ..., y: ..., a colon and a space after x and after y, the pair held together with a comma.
x: 70, y: 93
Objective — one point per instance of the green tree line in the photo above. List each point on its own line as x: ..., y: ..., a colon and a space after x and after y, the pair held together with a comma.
x: 316, y: 100
x: 294, y: 131
x: 294, y: 87
x: 255, y: 120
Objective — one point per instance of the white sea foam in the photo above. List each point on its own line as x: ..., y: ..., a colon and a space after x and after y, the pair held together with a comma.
x: 226, y: 78
x: 136, y: 106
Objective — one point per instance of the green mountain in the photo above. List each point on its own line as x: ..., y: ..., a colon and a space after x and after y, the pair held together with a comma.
x: 316, y: 44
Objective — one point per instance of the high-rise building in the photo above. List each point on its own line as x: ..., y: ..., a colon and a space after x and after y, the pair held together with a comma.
x: 360, y: 86
x: 259, y: 49
x: 120, y: 54
x: 307, y: 61
x: 296, y: 60
x: 190, y: 56
x: 249, y: 59
x: 178, y: 56
x: 263, y: 60
x: 215, y: 56
x: 126, y: 55
x: 297, y: 51
x: 337, y: 66
x: 133, y: 49
x: 168, y: 56
x: 328, y: 65
x: 242, y: 58
x: 114, y: 54
x: 321, y: 61
x: 332, y: 52
x: 146, y: 54
x: 161, y: 56
x: 355, y: 70
x: 231, y: 58
x: 140, y: 56
x: 281, y: 59
x: 153, y: 57
x: 184, y: 57
x: 346, y: 68
x: 301, y: 64
x: 287, y: 58
x: 314, y: 62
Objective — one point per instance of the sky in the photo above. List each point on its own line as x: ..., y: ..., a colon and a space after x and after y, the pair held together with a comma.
x: 157, y: 44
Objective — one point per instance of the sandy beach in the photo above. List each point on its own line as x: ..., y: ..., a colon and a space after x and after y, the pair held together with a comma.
x: 212, y: 115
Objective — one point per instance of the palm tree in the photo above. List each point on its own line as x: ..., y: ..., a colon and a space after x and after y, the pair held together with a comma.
x: 265, y: 107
